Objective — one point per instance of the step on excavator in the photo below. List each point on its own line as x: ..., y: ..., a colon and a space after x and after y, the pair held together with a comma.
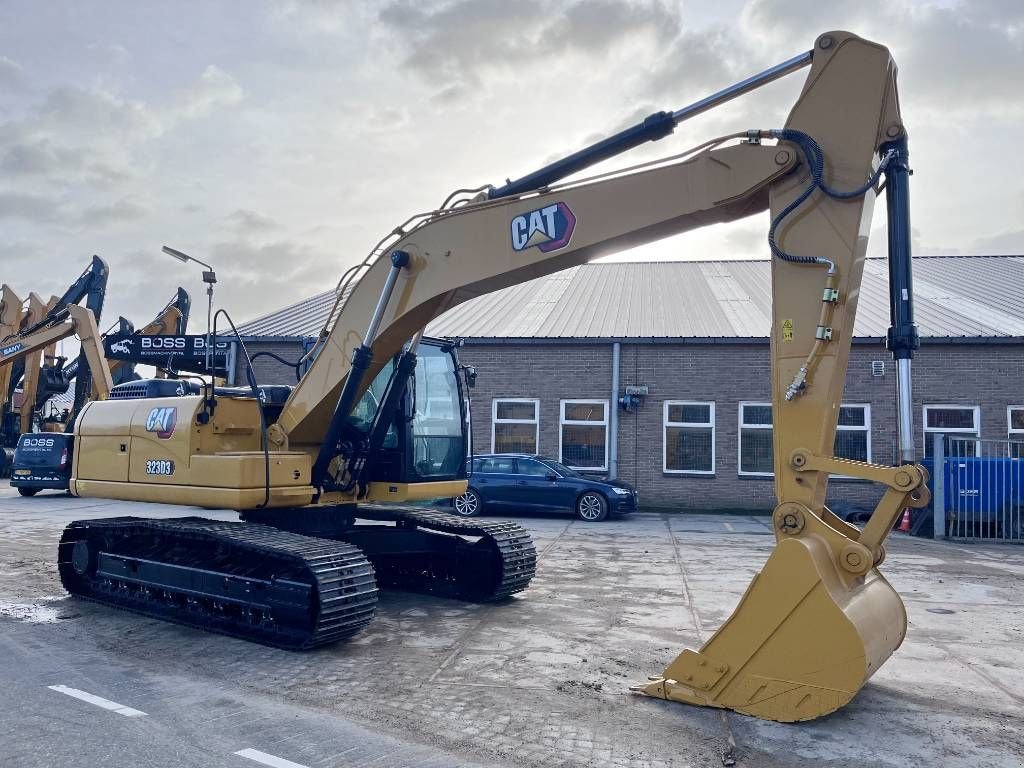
x: 378, y: 416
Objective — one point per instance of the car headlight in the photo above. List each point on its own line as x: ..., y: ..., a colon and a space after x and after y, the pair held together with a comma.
x: 622, y: 491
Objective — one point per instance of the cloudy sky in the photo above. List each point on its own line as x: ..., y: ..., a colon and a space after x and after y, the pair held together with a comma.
x: 279, y: 140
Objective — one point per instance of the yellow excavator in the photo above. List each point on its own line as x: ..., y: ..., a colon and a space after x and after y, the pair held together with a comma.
x: 379, y: 415
x: 39, y: 462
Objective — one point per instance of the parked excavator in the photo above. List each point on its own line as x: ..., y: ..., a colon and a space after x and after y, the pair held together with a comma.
x: 40, y: 461
x: 17, y: 320
x: 379, y: 416
x: 15, y: 315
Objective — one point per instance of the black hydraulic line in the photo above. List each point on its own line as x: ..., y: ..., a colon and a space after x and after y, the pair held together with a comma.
x: 902, y: 338
x: 293, y: 365
x: 250, y: 375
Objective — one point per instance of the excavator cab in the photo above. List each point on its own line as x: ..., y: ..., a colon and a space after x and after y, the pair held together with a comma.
x: 426, y: 439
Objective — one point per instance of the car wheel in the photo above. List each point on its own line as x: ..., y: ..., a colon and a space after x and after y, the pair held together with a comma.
x: 591, y: 507
x: 468, y: 504
x: 28, y: 491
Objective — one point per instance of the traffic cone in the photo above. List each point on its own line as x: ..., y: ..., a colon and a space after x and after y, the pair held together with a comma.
x: 905, y: 522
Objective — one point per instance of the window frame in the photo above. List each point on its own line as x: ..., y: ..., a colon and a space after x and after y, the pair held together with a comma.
x: 866, y: 407
x: 739, y: 436
x: 562, y: 423
x: 535, y: 420
x: 665, y: 424
x: 1010, y: 431
x: 929, y: 431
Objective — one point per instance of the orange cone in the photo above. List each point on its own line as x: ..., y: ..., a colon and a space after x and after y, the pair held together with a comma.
x: 905, y: 522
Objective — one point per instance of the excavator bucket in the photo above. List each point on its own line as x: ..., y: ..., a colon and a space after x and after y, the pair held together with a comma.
x: 803, y: 640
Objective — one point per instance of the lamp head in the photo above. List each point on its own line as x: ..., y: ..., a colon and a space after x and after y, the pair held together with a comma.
x: 176, y: 254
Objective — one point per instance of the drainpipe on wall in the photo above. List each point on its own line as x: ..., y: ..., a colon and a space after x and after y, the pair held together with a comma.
x: 613, y: 417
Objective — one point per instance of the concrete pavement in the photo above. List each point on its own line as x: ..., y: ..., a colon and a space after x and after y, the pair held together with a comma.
x: 540, y: 681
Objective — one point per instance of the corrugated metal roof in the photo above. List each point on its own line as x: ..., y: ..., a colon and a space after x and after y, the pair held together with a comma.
x: 956, y: 296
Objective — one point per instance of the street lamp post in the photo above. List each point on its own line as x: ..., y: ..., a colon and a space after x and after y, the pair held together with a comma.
x: 210, y: 278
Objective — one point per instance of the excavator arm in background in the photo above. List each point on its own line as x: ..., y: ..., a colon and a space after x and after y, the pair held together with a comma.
x: 820, y: 618
x: 170, y: 321
x: 90, y: 287
x: 32, y: 362
x: 73, y: 320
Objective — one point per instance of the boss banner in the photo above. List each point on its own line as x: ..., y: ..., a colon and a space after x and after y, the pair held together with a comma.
x: 180, y: 352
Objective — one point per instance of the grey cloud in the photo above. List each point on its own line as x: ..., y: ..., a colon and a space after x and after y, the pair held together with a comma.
x: 36, y: 208
x: 124, y: 210
x: 19, y: 251
x: 11, y: 73
x: 261, y: 277
x: 451, y: 44
x: 41, y: 157
x: 215, y: 88
x: 968, y: 55
x: 250, y: 221
x: 697, y: 61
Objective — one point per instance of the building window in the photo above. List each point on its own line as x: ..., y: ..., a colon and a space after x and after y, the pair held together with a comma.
x: 1015, y: 431
x: 515, y: 425
x: 958, y: 421
x: 689, y: 437
x: 853, y: 435
x: 756, y: 453
x: 583, y: 434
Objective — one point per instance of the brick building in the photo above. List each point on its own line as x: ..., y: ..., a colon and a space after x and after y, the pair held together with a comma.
x: 693, y: 337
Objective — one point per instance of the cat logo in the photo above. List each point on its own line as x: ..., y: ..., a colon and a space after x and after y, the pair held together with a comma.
x: 162, y: 421
x: 548, y: 228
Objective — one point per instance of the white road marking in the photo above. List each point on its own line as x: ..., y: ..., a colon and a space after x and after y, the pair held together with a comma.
x: 728, y: 526
x: 113, y: 706
x: 271, y: 760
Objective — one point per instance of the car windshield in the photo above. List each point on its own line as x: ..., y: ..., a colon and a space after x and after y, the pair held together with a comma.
x: 563, y: 470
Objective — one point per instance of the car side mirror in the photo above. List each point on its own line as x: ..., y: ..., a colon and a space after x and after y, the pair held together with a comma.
x: 552, y: 476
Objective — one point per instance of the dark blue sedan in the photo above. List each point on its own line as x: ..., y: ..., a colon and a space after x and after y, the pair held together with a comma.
x: 519, y: 481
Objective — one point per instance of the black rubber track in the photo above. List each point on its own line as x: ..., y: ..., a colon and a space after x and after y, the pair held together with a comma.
x: 515, y: 557
x: 334, y: 582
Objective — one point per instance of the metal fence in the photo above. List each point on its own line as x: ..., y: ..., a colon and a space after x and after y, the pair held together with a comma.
x: 977, y: 488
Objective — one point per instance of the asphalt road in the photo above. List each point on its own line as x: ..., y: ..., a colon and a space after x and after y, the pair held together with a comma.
x: 59, y: 712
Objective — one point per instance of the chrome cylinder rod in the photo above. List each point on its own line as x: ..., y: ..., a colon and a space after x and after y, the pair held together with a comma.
x: 744, y: 86
x: 398, y: 260
x: 905, y: 411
